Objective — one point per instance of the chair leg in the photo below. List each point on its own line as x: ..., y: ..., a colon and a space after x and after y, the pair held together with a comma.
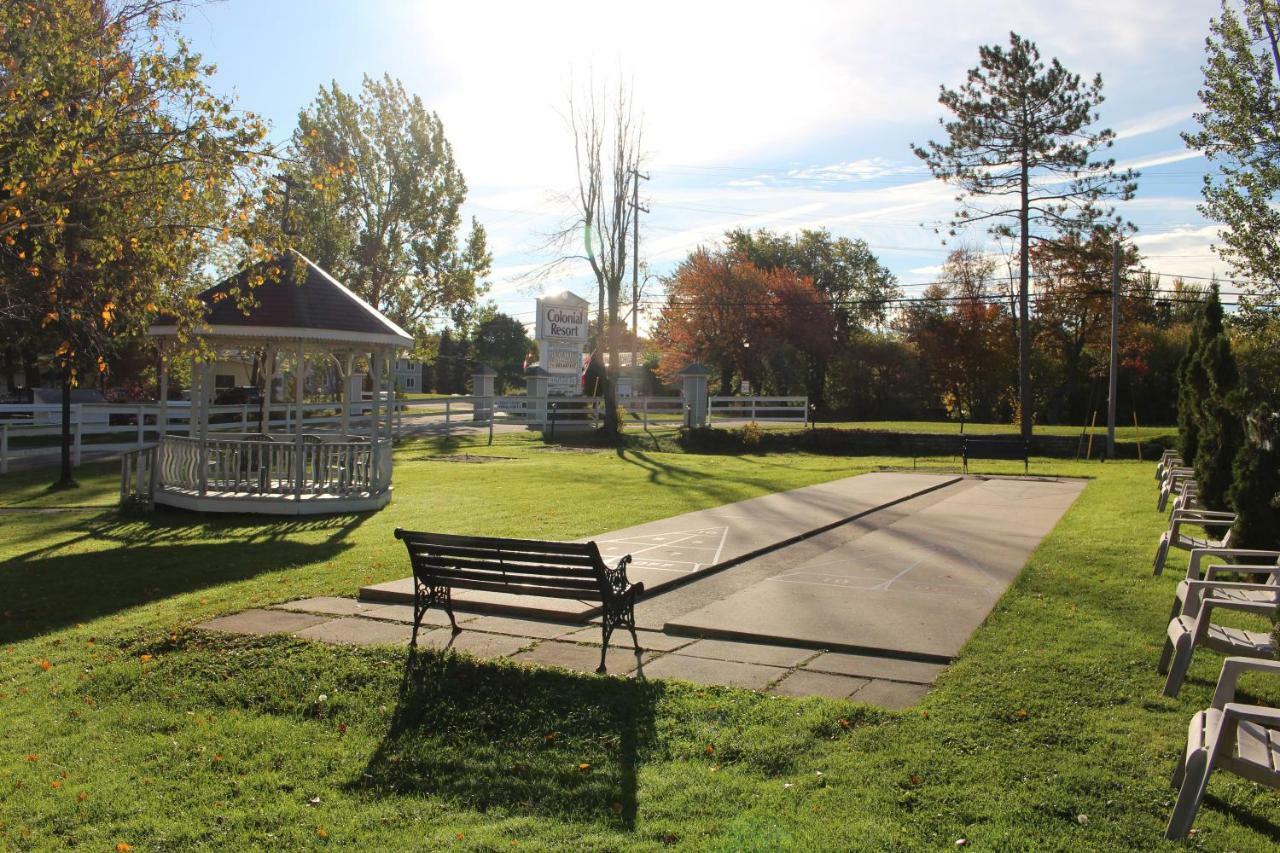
x: 1190, y: 795
x: 1182, y: 650
x: 1162, y: 553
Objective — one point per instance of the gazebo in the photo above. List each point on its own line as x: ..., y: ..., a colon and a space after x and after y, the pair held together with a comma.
x: 339, y: 461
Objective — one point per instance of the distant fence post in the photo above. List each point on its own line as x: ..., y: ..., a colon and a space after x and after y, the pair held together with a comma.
x: 142, y: 425
x: 4, y: 448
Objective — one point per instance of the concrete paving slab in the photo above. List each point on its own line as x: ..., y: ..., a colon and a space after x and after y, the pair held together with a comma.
x: 484, y: 646
x: 804, y: 683
x: 752, y: 676
x: 352, y: 607
x: 655, y: 641
x: 870, y: 666
x: 357, y: 631
x: 581, y: 658
x: 263, y: 622
x: 521, y: 627
x: 672, y: 550
x: 786, y: 656
x: 918, y: 587
x: 894, y: 695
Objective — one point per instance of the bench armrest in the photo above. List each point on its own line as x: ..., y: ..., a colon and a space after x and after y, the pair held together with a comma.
x: 617, y: 577
x: 1232, y: 669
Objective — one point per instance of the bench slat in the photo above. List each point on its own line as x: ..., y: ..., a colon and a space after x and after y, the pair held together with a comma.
x: 494, y: 574
x: 503, y: 555
x: 528, y: 545
x: 527, y: 589
x: 527, y: 568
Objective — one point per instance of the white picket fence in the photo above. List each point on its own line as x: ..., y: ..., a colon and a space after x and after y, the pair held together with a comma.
x: 134, y: 425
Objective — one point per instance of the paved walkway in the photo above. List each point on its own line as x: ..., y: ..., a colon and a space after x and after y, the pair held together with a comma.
x: 780, y: 670
x: 675, y: 550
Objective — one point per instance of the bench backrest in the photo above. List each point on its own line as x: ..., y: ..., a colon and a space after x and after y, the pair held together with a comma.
x: 995, y: 448
x: 556, y: 569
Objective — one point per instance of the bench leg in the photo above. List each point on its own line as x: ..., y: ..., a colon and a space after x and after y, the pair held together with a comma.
x: 606, y: 628
x: 423, y: 597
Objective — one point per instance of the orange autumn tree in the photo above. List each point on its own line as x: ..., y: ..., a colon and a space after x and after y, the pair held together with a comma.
x: 737, y: 318
x: 121, y: 174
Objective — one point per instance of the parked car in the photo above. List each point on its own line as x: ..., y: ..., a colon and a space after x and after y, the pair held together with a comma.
x: 241, y: 395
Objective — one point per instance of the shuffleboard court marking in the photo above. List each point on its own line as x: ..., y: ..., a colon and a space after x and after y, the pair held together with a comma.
x: 669, y: 546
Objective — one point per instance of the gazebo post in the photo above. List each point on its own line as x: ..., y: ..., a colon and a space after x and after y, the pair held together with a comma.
x: 200, y: 379
x: 375, y: 362
x: 391, y: 393
x: 299, y: 379
x: 269, y: 367
x: 162, y: 417
x: 345, y: 367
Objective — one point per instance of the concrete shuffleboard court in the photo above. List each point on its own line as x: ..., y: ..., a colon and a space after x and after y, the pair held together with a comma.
x: 916, y: 588
x: 677, y: 549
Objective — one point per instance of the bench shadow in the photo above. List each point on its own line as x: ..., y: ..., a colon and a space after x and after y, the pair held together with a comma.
x: 135, y: 561
x: 515, y: 739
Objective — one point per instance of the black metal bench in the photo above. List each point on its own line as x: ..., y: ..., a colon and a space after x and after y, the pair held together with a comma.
x: 574, y: 570
x: 997, y: 448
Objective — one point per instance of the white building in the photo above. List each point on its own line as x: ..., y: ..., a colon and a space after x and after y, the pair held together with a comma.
x: 408, y: 375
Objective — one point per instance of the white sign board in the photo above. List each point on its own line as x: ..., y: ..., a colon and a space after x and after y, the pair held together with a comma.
x: 562, y: 322
x: 564, y: 360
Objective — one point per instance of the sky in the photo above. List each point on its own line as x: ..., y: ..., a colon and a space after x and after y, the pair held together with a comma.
x: 760, y: 115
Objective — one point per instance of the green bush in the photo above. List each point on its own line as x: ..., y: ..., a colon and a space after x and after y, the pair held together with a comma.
x: 1255, y: 492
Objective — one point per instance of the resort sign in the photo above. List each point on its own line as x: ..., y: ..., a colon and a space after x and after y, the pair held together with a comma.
x: 563, y: 319
x: 564, y: 324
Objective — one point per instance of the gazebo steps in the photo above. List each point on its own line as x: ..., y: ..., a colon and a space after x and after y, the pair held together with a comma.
x: 248, y: 502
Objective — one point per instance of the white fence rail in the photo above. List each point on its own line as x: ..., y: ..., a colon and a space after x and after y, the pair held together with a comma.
x: 26, y: 430
x: 785, y: 409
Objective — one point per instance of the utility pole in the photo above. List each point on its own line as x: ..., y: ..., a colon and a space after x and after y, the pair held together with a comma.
x: 635, y: 276
x: 1115, y: 351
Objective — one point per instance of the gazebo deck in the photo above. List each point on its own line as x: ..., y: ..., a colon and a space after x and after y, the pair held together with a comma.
x: 270, y: 504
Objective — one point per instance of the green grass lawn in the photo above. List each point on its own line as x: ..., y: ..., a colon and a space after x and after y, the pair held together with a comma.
x: 122, y: 725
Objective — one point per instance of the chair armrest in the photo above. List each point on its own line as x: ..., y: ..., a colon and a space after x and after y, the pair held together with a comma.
x: 1261, y: 608
x: 1269, y: 569
x: 1198, y: 554
x: 1253, y: 713
x: 1190, y: 515
x: 1232, y: 669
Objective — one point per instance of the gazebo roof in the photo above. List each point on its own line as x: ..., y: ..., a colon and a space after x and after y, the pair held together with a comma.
x: 307, y: 304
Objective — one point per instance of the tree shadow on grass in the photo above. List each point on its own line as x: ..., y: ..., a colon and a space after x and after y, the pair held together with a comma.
x: 516, y: 740
x: 59, y: 583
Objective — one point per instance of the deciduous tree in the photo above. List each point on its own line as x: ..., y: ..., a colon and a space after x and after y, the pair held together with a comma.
x: 121, y: 173
x: 376, y: 199
x: 1240, y: 134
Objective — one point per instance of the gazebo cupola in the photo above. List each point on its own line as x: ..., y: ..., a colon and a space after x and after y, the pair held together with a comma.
x: 302, y: 458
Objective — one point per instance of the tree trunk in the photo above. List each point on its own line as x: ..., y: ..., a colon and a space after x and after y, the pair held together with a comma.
x: 611, y: 426
x: 65, y: 478
x: 726, y: 380
x: 1024, y: 324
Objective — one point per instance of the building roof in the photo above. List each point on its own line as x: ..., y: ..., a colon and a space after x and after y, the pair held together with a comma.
x: 291, y: 304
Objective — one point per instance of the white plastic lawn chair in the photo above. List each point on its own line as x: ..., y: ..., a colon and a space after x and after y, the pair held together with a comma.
x: 1172, y: 483
x: 1175, y: 537
x: 1188, y: 497
x: 1228, y: 735
x: 1194, y: 626
x: 1168, y: 459
x: 1236, y: 561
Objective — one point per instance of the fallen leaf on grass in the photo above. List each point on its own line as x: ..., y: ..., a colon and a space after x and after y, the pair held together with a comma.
x: 45, y: 665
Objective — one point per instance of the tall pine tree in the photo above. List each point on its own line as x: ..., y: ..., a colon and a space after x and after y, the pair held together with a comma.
x: 1221, y: 428
x: 1190, y: 389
